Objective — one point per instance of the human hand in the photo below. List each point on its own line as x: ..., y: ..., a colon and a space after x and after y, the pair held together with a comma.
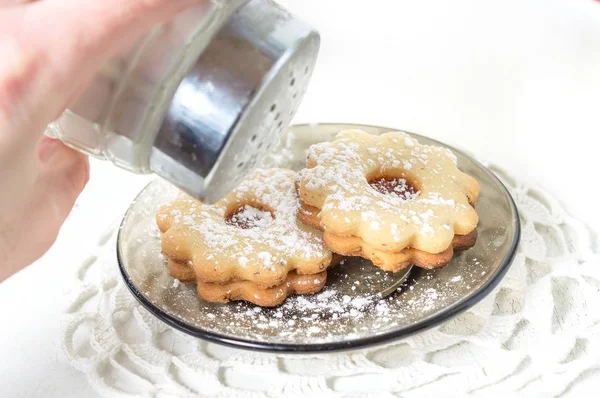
x: 50, y: 51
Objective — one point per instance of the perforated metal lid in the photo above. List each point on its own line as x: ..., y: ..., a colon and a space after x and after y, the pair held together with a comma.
x: 236, y: 101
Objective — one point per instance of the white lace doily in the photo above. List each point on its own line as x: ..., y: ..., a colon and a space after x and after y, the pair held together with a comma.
x: 536, y: 334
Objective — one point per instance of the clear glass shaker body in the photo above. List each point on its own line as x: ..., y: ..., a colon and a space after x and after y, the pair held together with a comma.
x: 119, y: 114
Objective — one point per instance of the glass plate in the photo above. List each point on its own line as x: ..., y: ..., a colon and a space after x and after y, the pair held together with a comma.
x: 350, y: 312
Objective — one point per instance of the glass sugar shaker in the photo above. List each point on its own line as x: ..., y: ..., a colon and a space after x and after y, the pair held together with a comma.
x: 199, y: 99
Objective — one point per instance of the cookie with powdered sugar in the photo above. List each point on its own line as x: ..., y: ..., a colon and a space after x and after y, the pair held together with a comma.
x: 250, y: 241
x: 389, y: 199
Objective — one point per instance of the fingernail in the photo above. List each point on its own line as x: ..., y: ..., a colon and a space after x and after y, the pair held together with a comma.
x: 87, y: 172
x: 47, y: 147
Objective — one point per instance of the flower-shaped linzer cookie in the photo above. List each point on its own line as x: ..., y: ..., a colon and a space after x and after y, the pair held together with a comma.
x: 252, y: 235
x: 389, y: 199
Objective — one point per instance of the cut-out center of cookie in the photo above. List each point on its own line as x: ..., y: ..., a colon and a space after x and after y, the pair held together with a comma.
x: 248, y: 217
x: 397, y: 187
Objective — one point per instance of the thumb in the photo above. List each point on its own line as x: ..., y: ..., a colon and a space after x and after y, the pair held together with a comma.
x: 62, y: 176
x: 32, y: 225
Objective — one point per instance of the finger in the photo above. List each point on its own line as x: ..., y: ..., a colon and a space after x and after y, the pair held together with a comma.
x: 53, y: 153
x: 62, y: 175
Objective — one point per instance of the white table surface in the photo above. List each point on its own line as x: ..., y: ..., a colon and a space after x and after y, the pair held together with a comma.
x: 516, y: 82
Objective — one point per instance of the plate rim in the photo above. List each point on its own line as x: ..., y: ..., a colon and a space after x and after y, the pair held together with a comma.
x: 364, y: 342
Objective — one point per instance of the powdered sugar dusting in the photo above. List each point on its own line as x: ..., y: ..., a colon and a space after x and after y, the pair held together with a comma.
x: 250, y: 217
x: 397, y: 187
x: 339, y: 311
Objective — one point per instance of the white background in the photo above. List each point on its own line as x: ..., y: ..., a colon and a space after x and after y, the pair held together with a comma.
x: 516, y: 82
x: 513, y: 81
